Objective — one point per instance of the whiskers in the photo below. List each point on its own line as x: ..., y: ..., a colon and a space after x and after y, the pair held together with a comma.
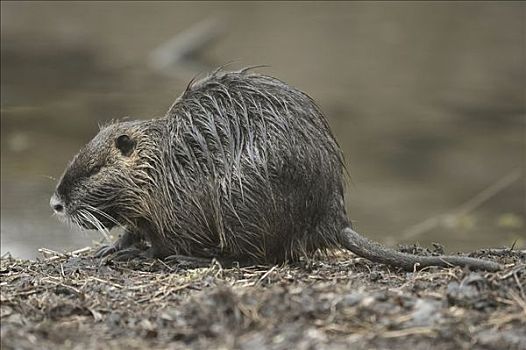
x: 92, y: 219
x: 86, y: 215
x: 105, y: 215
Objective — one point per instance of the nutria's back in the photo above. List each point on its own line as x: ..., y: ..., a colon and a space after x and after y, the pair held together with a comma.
x: 252, y: 169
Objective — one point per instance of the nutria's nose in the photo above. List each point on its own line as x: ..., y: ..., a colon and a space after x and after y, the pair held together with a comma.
x: 57, y: 204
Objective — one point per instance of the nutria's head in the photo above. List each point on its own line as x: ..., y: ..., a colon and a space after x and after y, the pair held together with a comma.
x: 104, y: 180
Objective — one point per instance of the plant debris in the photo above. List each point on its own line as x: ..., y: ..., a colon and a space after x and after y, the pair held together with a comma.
x: 73, y: 301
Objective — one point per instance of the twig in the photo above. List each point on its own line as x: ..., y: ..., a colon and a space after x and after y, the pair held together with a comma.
x: 408, y: 331
x: 465, y: 208
x: 266, y: 274
x: 503, y: 251
x: 78, y: 292
x: 516, y: 278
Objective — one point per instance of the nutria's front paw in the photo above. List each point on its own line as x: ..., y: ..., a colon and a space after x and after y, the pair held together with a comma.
x: 127, y: 240
x: 128, y: 254
x: 124, y: 255
x: 105, y: 250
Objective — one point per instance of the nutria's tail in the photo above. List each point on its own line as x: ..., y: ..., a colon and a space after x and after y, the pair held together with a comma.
x: 376, y: 252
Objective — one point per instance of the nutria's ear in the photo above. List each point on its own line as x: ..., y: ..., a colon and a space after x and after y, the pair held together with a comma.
x: 125, y: 144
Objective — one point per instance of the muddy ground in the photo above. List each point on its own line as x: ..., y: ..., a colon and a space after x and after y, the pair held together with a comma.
x: 73, y: 301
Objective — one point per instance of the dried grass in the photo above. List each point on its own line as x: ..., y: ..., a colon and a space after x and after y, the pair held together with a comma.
x: 71, y: 301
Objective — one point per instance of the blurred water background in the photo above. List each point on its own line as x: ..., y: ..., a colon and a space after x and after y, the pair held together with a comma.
x: 426, y: 99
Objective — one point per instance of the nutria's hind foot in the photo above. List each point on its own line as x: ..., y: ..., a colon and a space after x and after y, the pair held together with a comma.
x: 189, y: 262
x: 193, y: 262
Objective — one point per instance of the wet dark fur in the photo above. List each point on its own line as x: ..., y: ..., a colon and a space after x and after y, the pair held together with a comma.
x: 242, y: 166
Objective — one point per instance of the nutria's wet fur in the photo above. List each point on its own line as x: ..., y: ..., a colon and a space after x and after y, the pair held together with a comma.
x: 243, y: 166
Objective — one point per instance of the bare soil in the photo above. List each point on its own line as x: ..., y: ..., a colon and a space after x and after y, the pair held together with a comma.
x: 72, y: 301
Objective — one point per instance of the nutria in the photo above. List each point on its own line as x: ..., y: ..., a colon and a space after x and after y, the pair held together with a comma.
x: 242, y: 167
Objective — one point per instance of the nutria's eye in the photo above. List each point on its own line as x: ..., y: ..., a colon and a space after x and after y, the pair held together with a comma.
x: 125, y: 144
x: 94, y: 170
